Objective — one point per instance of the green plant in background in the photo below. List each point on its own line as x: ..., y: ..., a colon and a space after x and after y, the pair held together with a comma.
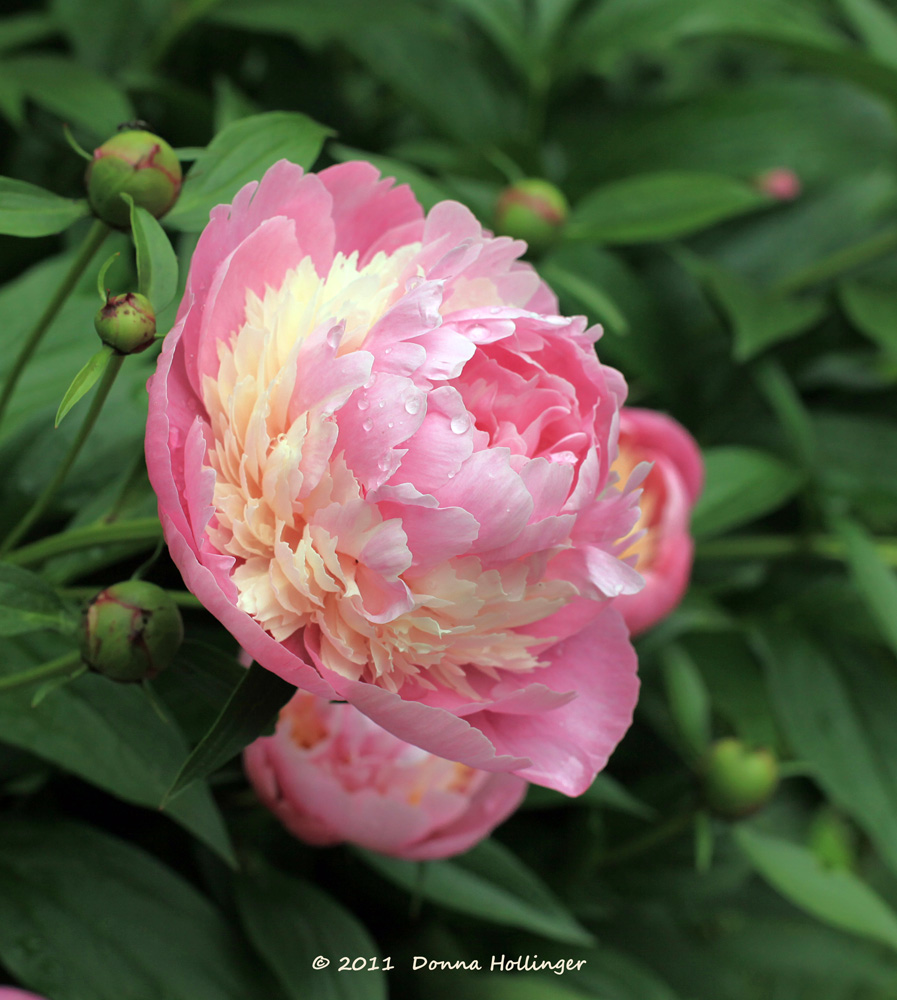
x: 765, y: 322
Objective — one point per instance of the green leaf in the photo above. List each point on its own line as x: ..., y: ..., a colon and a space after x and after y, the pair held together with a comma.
x: 688, y: 698
x: 876, y: 25
x: 837, y: 717
x: 604, y: 792
x: 488, y: 882
x: 742, y: 484
x: 251, y: 708
x: 28, y: 603
x: 836, y: 897
x: 873, y: 578
x: 87, y: 917
x: 506, y: 985
x: 25, y: 29
x: 83, y: 381
x: 873, y: 311
x: 70, y: 90
x: 662, y: 206
x: 28, y: 210
x: 291, y: 923
x: 157, y: 264
x: 241, y: 153
x: 759, y: 318
x: 108, y: 735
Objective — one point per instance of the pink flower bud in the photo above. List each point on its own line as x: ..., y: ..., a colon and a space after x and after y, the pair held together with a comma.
x: 331, y: 775
x: 531, y: 210
x: 780, y: 183
x: 126, y: 323
x: 662, y: 543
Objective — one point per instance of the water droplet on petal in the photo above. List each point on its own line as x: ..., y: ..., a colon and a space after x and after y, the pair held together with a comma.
x: 381, y: 403
x: 460, y: 424
x: 390, y: 423
x: 370, y: 382
x: 413, y: 404
x: 363, y: 402
x: 334, y: 336
x: 368, y: 424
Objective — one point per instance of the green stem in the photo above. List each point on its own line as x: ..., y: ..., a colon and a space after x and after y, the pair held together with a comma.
x: 837, y: 263
x: 55, y: 668
x: 43, y: 501
x: 783, y: 546
x: 92, y: 242
x: 144, y: 530
x: 654, y: 837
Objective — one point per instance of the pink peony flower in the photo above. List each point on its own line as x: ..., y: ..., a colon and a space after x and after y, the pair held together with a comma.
x: 383, y: 462
x: 663, y: 544
x: 11, y: 993
x: 780, y: 183
x: 331, y: 775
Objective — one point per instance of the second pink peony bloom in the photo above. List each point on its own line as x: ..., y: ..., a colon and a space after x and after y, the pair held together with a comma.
x: 383, y: 461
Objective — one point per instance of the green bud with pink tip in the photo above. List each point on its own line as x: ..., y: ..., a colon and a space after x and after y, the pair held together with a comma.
x: 137, y: 163
x: 131, y: 631
x: 736, y: 779
x: 531, y: 210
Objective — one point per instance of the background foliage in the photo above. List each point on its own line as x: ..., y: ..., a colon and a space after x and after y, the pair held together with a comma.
x: 769, y: 329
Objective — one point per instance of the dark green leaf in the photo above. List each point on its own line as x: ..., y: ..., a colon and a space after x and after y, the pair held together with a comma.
x: 655, y: 207
x: 489, y: 882
x: 157, y: 265
x: 834, y: 896
x: 28, y: 603
x: 83, y: 381
x: 742, y: 484
x: 108, y: 735
x: 86, y: 917
x: 838, y: 721
x: 873, y: 310
x: 28, y: 210
x: 876, y: 25
x: 291, y: 923
x: 251, y: 708
x: 874, y: 579
x: 688, y: 699
x: 24, y: 29
x: 240, y: 153
x: 604, y: 792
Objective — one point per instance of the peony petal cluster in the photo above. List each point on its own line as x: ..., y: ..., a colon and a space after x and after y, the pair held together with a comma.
x: 383, y: 461
x: 661, y: 541
x: 331, y: 775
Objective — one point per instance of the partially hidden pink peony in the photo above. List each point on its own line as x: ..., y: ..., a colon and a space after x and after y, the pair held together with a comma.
x: 332, y: 776
x: 11, y: 993
x: 383, y: 461
x: 662, y: 538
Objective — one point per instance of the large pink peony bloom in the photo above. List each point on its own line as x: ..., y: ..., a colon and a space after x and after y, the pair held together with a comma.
x: 664, y: 545
x: 383, y: 462
x: 331, y: 775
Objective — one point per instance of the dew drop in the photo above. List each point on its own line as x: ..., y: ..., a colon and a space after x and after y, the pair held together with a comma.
x: 413, y: 404
x: 390, y: 424
x: 381, y: 403
x: 363, y: 402
x: 368, y: 424
x: 459, y: 424
x: 334, y: 336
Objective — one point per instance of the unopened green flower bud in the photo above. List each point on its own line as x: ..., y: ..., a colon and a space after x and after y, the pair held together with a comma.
x: 737, y: 781
x: 531, y: 210
x: 126, y: 323
x: 137, y: 163
x: 131, y: 631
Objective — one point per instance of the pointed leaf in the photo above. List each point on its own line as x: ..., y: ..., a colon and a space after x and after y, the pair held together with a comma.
x: 250, y: 710
x: 84, y: 915
x: 836, y: 897
x: 28, y: 210
x: 291, y: 923
x: 240, y: 153
x: 873, y: 310
x: 489, y: 882
x: 157, y: 264
x: 652, y: 207
x: 83, y: 381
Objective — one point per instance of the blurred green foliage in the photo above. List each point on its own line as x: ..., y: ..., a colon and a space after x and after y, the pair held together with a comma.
x: 768, y: 327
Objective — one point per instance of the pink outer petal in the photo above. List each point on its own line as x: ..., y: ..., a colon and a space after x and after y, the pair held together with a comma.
x: 571, y: 744
x: 10, y: 993
x: 658, y: 434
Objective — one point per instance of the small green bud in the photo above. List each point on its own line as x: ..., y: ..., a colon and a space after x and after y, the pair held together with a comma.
x: 531, y: 210
x: 131, y: 631
x: 126, y: 323
x: 738, y: 781
x: 137, y: 163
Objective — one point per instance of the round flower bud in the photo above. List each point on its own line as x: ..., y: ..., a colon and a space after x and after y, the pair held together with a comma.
x: 137, y: 163
x: 531, y: 210
x: 132, y: 631
x: 780, y: 183
x: 126, y: 323
x: 738, y: 781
